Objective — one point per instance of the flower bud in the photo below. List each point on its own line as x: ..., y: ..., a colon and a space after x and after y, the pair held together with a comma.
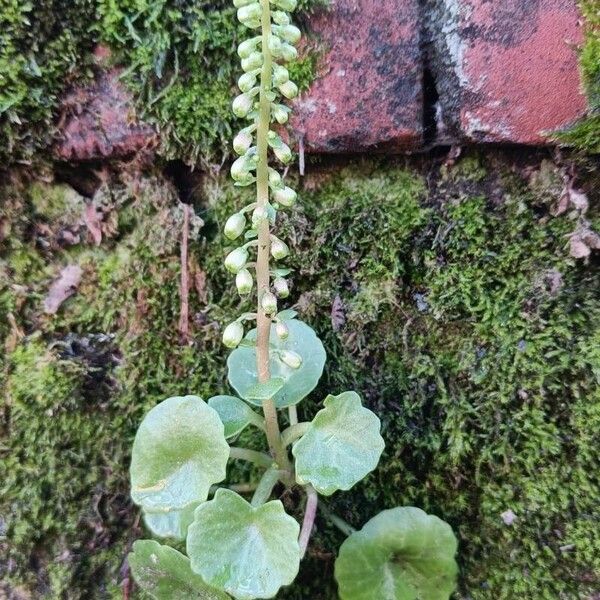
x: 275, y: 179
x: 285, y: 196
x: 280, y: 17
x: 281, y: 287
x: 241, y: 167
x: 289, y: 89
x: 280, y: 113
x: 235, y: 225
x: 280, y: 75
x: 236, y: 260
x: 291, y: 359
x: 283, y: 153
x: 240, y: 3
x: 244, y: 282
x: 275, y: 45
x: 288, y: 52
x: 242, y: 142
x: 259, y: 215
x: 247, y: 47
x: 288, y: 5
x: 250, y: 12
x: 279, y: 249
x: 289, y: 33
x: 247, y: 81
x: 268, y: 303
x: 233, y: 334
x: 282, y: 330
x: 242, y: 105
x: 253, y: 62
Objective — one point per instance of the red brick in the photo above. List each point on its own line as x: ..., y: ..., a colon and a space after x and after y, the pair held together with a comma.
x: 99, y: 122
x: 516, y: 66
x: 369, y: 96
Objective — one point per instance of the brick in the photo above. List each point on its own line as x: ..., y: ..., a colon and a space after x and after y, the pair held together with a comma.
x: 369, y: 94
x: 510, y: 70
x: 98, y: 122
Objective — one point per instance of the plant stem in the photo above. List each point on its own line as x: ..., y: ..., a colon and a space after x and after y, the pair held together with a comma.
x: 258, y: 458
x: 310, y: 512
x: 263, y: 283
x: 265, y: 486
x: 344, y: 527
x: 293, y: 414
x: 294, y: 432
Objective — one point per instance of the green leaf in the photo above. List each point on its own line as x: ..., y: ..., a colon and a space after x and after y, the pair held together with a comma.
x: 250, y: 552
x: 165, y: 574
x: 235, y: 414
x: 298, y: 382
x: 341, y: 446
x: 178, y: 453
x: 401, y: 554
x: 266, y: 390
x: 171, y: 525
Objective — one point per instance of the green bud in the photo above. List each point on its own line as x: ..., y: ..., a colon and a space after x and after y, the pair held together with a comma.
x: 275, y: 45
x: 280, y: 75
x: 285, y: 196
x: 253, y: 62
x: 242, y: 105
x: 244, y: 282
x: 259, y: 215
x: 280, y: 113
x: 268, y: 303
x: 249, y: 13
x: 242, y: 142
x: 282, y: 331
x: 283, y: 153
x: 291, y: 359
x: 247, y: 47
x: 289, y: 89
x: 233, y: 334
x: 280, y: 17
x: 288, y: 5
x: 235, y: 225
x: 241, y: 167
x: 289, y: 33
x: 247, y: 81
x: 240, y: 3
x: 288, y: 52
x: 236, y: 260
x: 281, y: 287
x: 275, y: 180
x: 279, y: 249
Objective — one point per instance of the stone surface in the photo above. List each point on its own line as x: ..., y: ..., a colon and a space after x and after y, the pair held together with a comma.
x: 98, y: 122
x: 507, y: 69
x: 369, y: 93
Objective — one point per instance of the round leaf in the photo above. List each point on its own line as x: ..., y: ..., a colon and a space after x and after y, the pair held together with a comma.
x: 341, y: 446
x: 298, y: 383
x: 250, y: 552
x: 172, y: 524
x: 235, y: 414
x: 401, y: 554
x: 178, y: 453
x: 165, y: 574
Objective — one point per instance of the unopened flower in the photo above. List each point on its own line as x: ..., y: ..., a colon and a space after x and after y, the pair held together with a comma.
x: 252, y: 62
x: 282, y: 330
x: 288, y: 52
x: 285, y: 196
x: 279, y: 249
x: 268, y: 303
x: 291, y: 359
x: 275, y: 179
x: 280, y: 17
x: 247, y: 47
x: 233, y: 334
x: 240, y: 3
x: 235, y: 225
x: 280, y: 75
x: 241, y: 168
x: 250, y: 12
x: 275, y: 45
x: 244, y: 282
x: 289, y: 5
x: 247, y: 81
x: 281, y: 287
x: 242, y: 141
x: 259, y: 215
x: 236, y: 260
x: 289, y: 89
x: 280, y: 113
x: 289, y: 33
x: 283, y: 153
x: 242, y: 105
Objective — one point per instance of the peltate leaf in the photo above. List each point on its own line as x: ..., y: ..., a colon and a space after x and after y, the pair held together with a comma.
x: 235, y: 414
x: 165, y: 574
x: 401, y: 554
x: 247, y: 551
x: 178, y: 453
x: 298, y: 383
x: 341, y: 446
x: 265, y: 390
x: 173, y: 524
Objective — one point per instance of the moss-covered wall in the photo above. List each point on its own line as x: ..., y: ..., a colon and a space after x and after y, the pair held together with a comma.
x: 461, y: 318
